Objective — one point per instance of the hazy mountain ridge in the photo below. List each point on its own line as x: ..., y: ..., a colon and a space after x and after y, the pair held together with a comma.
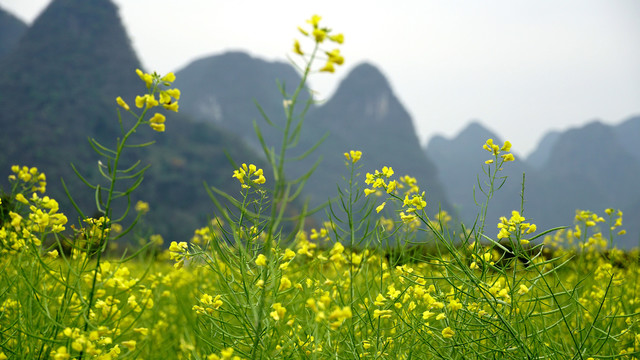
x: 591, y: 167
x: 224, y: 89
x: 59, y: 82
x: 363, y: 114
x: 59, y: 85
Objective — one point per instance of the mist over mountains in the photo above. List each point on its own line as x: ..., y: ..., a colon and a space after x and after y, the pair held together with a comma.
x: 58, y: 87
x: 592, y: 167
x: 363, y: 114
x: 61, y: 76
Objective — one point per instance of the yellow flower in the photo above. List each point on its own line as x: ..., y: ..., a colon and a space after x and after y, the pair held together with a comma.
x: 315, y: 20
x: 174, y: 93
x: 129, y: 344
x: 123, y: 104
x: 226, y: 353
x: 60, y: 354
x: 296, y: 48
x: 141, y: 101
x: 142, y: 331
x: 151, y: 101
x: 261, y: 260
x: 170, y: 77
x: 508, y: 157
x: 278, y: 311
x: 147, y: 78
x: 157, y: 122
x: 303, y: 31
x: 523, y: 289
x: 339, y: 38
x: 142, y: 206
x: 368, y: 192
x: 328, y: 67
x: 285, y: 283
x: 383, y: 314
x: 22, y: 199
x: 335, y: 57
x: 379, y: 208
x: 353, y: 156
x: 506, y: 146
x: 448, y: 333
x: 454, y: 305
x: 380, y: 299
x: 249, y: 171
x: 319, y: 35
x: 260, y: 180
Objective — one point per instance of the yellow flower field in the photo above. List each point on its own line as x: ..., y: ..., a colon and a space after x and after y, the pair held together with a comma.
x: 380, y: 278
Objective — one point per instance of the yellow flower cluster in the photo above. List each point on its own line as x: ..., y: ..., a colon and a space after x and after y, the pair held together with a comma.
x: 167, y: 97
x: 208, y: 304
x: 496, y: 151
x: 98, y: 228
x: 178, y: 252
x: 319, y: 34
x: 96, y: 343
x: 515, y: 223
x: 353, y: 156
x: 245, y: 173
x: 31, y: 178
x: 225, y: 354
x: 25, y: 228
x: 377, y: 180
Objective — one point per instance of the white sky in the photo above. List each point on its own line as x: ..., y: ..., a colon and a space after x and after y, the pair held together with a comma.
x: 520, y: 67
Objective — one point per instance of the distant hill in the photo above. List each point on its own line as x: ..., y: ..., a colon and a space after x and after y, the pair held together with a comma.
x: 542, y: 152
x: 628, y: 132
x: 59, y: 86
x: 363, y: 114
x: 224, y: 89
x: 460, y: 162
x: 11, y: 30
x: 590, y: 168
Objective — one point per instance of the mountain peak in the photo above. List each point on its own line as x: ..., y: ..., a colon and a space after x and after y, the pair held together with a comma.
x: 366, y: 80
x: 76, y: 41
x: 476, y: 132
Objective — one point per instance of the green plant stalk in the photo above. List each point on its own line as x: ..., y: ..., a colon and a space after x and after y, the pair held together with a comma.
x: 280, y: 198
x: 107, y: 211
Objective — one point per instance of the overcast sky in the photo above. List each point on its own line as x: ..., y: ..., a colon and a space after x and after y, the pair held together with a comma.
x: 520, y: 67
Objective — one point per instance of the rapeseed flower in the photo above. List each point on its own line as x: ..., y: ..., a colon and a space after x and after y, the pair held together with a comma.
x: 496, y: 150
x: 353, y: 156
x: 319, y: 34
x: 142, y: 207
x: 245, y: 173
x: 261, y: 260
x: 448, y: 333
x: 278, y: 312
x: 296, y: 48
x: 122, y: 103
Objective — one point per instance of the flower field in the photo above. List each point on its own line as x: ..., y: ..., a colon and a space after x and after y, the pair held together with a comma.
x: 378, y: 278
